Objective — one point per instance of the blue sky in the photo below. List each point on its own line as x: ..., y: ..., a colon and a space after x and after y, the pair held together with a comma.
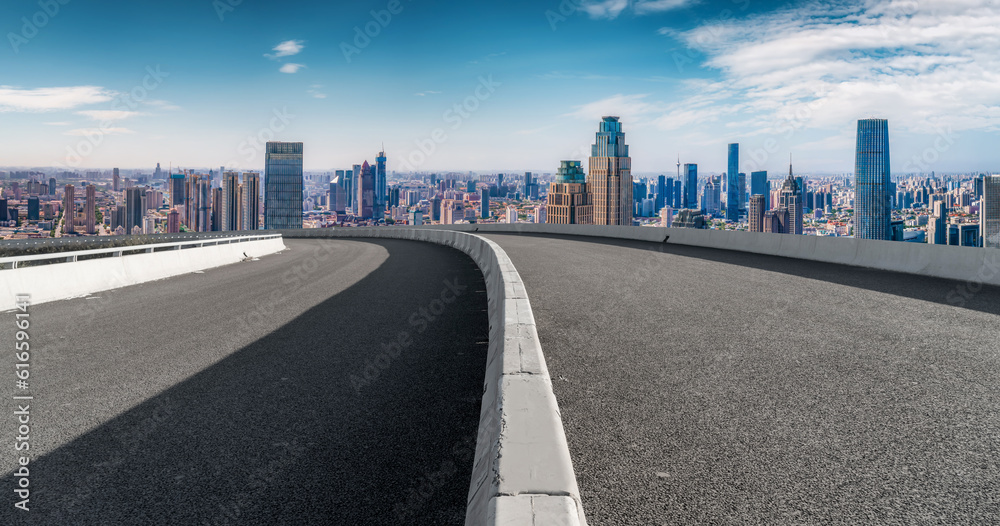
x: 196, y: 83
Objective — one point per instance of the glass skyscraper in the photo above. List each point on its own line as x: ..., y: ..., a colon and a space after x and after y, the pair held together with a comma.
x: 283, y: 185
x: 690, y: 186
x: 380, y: 186
x: 733, y: 189
x: 872, y: 210
x: 759, y: 186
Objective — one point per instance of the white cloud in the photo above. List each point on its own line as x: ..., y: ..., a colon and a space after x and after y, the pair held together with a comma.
x: 632, y: 109
x: 291, y: 67
x: 287, y: 49
x: 425, y: 93
x: 49, y: 99
x: 108, y: 115
x: 59, y: 123
x: 315, y: 91
x: 610, y: 9
x: 925, y: 66
x: 99, y: 131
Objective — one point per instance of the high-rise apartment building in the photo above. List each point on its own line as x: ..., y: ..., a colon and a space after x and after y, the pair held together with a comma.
x: 250, y: 196
x: 569, y: 202
x: 733, y: 189
x: 230, y: 205
x: 283, y: 185
x: 135, y: 209
x: 872, y: 210
x: 90, y: 212
x: 610, y: 177
x: 177, y: 196
x: 115, y: 180
x: 937, y: 224
x: 69, y: 210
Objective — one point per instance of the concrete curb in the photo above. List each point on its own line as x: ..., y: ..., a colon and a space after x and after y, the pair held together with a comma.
x: 72, y: 279
x: 522, y: 472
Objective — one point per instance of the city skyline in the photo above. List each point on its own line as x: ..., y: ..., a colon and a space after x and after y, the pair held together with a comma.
x: 772, y: 76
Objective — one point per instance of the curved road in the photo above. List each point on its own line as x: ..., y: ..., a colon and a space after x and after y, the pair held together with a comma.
x: 700, y: 386
x: 265, y: 392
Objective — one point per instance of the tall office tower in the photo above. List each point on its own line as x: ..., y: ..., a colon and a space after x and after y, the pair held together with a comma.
x: 690, y: 186
x: 872, y: 214
x: 365, y: 197
x: 176, y: 190
x: 250, y: 195
x: 989, y: 212
x: 90, y: 212
x: 356, y: 171
x: 69, y: 210
x: 217, y: 211
x: 484, y: 203
x: 610, y: 177
x: 3, y: 209
x: 755, y: 214
x: 52, y: 186
x: 759, y: 186
x: 338, y: 197
x: 205, y: 204
x: 134, y: 208
x: 569, y: 202
x: 283, y: 185
x: 33, y: 208
x: 678, y: 194
x: 222, y: 170
x: 937, y: 224
x: 157, y: 174
x: 230, y: 201
x: 790, y: 199
x: 661, y: 189
x: 733, y: 184
x: 711, y: 197
x: 380, y: 186
x: 743, y: 192
x: 115, y: 181
x: 173, y: 221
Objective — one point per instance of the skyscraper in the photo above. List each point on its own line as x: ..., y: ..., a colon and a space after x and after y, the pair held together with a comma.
x: 283, y: 185
x: 989, y: 212
x: 90, y: 212
x: 484, y: 203
x: 134, y: 208
x: 759, y: 186
x: 872, y: 213
x: 115, y: 181
x: 52, y: 186
x: 790, y: 200
x: 176, y: 190
x: 733, y: 190
x: 610, y: 177
x: 365, y: 197
x: 755, y: 213
x: 743, y: 192
x: 661, y: 190
x: 69, y: 209
x: 690, y: 186
x: 204, y: 190
x: 230, y: 205
x: 251, y: 200
x: 216, y: 209
x: 378, y: 211
x: 569, y: 202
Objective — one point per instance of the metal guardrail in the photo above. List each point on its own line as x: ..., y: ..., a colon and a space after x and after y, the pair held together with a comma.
x: 13, y: 262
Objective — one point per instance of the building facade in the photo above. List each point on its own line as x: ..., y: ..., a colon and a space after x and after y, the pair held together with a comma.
x: 283, y: 185
x: 610, y: 177
x: 569, y: 202
x: 872, y: 210
x: 733, y: 190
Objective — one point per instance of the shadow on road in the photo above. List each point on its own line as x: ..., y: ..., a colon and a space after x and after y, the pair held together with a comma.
x: 322, y: 421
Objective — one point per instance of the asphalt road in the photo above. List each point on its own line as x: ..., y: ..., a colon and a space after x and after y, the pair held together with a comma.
x: 265, y: 392
x: 701, y: 386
